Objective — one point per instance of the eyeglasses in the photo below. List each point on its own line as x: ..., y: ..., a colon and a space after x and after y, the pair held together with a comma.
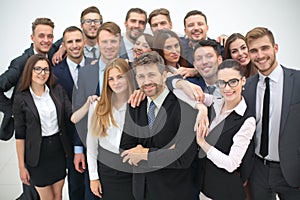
x: 90, y: 21
x: 232, y: 83
x: 39, y: 70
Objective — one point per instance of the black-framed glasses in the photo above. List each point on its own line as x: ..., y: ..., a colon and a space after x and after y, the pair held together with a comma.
x: 39, y: 70
x: 90, y: 21
x: 232, y: 83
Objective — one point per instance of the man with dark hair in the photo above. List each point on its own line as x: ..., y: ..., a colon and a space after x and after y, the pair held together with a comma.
x: 160, y: 19
x: 90, y: 20
x: 157, y: 141
x: 135, y: 23
x: 195, y: 28
x: 66, y: 73
x: 42, y: 38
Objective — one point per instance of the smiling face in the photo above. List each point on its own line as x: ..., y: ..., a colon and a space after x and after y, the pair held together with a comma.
x: 141, y: 46
x: 42, y: 77
x: 74, y: 45
x: 42, y: 38
x: 90, y: 30
x: 231, y: 94
x: 109, y: 45
x: 239, y: 51
x: 117, y: 82
x: 171, y: 51
x: 206, y: 62
x: 196, y: 28
x: 150, y: 80
x: 263, y: 54
x: 135, y: 25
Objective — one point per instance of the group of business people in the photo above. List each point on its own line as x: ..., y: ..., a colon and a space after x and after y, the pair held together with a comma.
x: 243, y: 139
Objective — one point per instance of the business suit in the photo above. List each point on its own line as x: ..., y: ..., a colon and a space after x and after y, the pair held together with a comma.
x: 168, y: 173
x: 76, y: 184
x: 10, y: 78
x: 218, y: 183
x: 289, y: 137
x: 28, y: 125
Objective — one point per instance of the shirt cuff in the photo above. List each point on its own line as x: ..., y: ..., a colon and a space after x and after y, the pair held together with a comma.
x: 78, y: 149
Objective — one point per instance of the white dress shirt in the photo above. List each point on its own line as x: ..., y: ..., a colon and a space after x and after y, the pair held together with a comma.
x: 111, y: 142
x: 241, y: 139
x: 276, y: 92
x: 74, y: 70
x: 47, y: 112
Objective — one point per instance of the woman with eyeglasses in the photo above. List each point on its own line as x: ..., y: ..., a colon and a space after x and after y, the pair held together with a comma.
x: 41, y: 109
x: 225, y: 143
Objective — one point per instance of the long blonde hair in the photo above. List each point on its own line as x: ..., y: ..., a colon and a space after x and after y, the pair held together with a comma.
x: 102, y: 117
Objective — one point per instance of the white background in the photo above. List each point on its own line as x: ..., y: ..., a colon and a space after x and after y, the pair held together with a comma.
x: 227, y: 16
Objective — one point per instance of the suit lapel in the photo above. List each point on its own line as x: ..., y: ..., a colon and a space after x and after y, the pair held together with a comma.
x: 57, y: 103
x: 288, y: 83
x: 29, y: 101
x: 161, y: 117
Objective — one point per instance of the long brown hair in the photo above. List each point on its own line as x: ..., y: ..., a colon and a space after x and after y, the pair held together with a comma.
x: 103, y: 117
x: 250, y: 67
x: 159, y: 43
x: 27, y: 72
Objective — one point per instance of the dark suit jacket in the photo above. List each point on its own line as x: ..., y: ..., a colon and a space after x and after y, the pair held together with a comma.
x: 10, y: 78
x: 289, y: 136
x: 28, y: 124
x: 168, y: 172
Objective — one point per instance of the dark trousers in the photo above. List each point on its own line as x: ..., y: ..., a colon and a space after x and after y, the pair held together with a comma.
x: 267, y: 180
x: 88, y: 193
x: 76, y: 184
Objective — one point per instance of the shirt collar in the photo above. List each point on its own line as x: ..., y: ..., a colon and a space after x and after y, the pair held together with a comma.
x: 73, y: 65
x: 274, y: 76
x: 47, y: 90
x: 158, y: 101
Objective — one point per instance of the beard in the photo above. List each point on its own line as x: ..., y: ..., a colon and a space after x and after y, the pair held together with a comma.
x: 157, y: 89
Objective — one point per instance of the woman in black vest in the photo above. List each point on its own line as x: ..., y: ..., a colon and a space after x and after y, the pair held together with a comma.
x: 225, y: 143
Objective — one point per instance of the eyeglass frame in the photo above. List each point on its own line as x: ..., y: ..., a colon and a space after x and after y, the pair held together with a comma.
x: 228, y: 82
x: 90, y: 21
x: 46, y: 70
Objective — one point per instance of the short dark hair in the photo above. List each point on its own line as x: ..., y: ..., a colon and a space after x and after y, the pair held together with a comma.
x: 42, y: 21
x: 232, y: 64
x: 209, y: 43
x: 150, y: 58
x: 159, y: 11
x: 27, y: 72
x: 194, y: 12
x: 91, y: 9
x: 71, y: 29
x: 136, y: 10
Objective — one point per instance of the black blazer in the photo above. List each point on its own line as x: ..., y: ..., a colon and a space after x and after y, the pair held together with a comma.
x: 168, y: 172
x: 289, y: 136
x: 28, y: 125
x: 10, y: 78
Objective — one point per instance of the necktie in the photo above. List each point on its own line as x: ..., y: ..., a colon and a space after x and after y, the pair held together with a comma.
x: 211, y: 89
x: 264, y: 141
x: 151, y: 114
x: 93, y: 50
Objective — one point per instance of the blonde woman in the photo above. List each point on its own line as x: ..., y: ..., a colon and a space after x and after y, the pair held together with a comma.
x: 105, y: 125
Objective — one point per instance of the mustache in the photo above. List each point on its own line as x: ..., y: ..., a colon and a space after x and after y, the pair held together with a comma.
x: 147, y: 85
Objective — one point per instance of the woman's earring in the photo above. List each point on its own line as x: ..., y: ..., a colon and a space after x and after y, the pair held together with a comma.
x: 243, y: 88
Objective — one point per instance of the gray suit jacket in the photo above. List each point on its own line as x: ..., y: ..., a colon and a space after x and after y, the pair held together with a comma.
x: 289, y: 135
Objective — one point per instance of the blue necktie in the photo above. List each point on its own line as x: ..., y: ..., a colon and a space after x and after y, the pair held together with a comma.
x: 151, y: 114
